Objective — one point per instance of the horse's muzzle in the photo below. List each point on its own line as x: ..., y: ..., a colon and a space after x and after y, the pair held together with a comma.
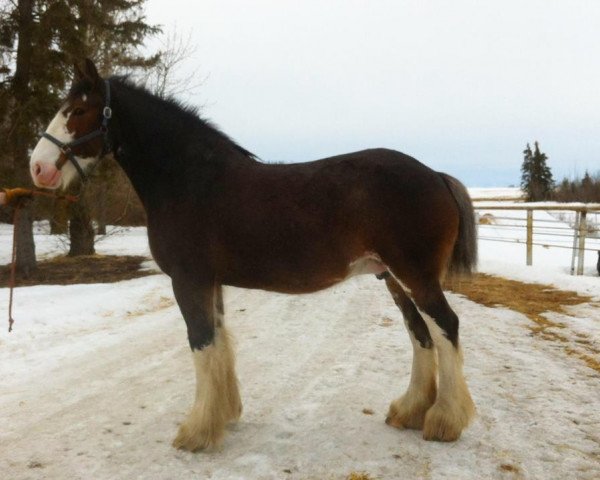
x: 45, y: 175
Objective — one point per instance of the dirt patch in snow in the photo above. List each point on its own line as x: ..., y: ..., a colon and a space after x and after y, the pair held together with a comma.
x: 85, y: 269
x: 358, y: 476
x: 533, y: 300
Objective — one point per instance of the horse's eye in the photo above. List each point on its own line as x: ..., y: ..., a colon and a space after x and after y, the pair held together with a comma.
x: 78, y: 111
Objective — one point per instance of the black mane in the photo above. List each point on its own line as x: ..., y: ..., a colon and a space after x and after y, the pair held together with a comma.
x: 167, y: 123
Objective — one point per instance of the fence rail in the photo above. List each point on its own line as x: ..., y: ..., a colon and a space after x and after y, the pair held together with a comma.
x: 577, y: 234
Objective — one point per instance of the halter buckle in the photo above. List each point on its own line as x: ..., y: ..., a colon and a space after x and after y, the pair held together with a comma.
x: 107, y: 112
x: 66, y: 149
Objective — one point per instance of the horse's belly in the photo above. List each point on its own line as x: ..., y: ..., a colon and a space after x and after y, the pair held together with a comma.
x: 313, y: 278
x: 370, y: 263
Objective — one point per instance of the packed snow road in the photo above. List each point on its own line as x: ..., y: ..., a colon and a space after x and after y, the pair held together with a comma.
x: 95, y: 379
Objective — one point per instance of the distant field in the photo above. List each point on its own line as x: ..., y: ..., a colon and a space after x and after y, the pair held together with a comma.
x: 497, y: 194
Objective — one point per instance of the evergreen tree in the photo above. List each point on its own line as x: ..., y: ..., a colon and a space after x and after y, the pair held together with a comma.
x: 586, y: 181
x: 39, y: 41
x: 526, y: 169
x: 586, y: 189
x: 536, y: 177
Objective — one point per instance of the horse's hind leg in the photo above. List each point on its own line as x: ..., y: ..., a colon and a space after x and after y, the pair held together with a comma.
x: 217, y: 399
x: 453, y: 408
x: 409, y: 410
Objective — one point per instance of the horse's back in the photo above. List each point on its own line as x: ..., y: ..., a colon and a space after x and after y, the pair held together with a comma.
x: 372, y: 173
x: 310, y: 221
x: 377, y: 186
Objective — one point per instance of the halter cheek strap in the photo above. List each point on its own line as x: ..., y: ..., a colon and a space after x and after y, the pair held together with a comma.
x: 67, y: 148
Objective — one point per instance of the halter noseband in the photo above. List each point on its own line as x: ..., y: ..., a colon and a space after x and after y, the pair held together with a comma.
x: 66, y: 148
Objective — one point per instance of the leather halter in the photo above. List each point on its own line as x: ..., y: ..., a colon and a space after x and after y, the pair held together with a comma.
x: 67, y: 148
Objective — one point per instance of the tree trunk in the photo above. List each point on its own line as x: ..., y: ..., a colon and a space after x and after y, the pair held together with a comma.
x: 26, y: 262
x: 101, y: 207
x: 59, y: 223
x: 80, y: 228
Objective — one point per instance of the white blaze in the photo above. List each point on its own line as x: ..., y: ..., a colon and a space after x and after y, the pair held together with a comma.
x: 45, y: 152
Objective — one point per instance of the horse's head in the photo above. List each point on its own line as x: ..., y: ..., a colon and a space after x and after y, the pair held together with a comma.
x: 75, y: 137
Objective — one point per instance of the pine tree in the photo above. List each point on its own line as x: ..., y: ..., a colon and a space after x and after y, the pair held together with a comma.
x: 39, y: 41
x: 526, y: 169
x: 15, y: 107
x: 586, y: 181
x: 536, y: 176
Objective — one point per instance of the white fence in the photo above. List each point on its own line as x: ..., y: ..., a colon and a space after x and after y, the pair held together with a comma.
x: 574, y: 226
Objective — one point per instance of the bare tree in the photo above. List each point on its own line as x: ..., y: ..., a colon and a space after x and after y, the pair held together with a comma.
x: 167, y: 78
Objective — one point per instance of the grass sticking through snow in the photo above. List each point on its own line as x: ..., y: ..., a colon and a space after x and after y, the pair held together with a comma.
x: 533, y: 300
x: 85, y: 269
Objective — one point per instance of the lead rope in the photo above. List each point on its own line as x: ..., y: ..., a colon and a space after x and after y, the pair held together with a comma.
x: 13, y: 268
x: 17, y: 197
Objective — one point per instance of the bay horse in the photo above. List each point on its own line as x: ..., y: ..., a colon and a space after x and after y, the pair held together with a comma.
x: 217, y: 216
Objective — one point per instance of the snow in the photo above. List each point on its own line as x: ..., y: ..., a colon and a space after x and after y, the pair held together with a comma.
x: 96, y: 379
x: 117, y: 241
x: 491, y: 193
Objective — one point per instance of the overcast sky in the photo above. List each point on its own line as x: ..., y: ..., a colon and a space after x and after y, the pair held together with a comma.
x: 460, y: 85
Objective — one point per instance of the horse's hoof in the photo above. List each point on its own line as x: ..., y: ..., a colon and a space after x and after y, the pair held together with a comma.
x: 403, y: 414
x: 195, y: 441
x: 409, y: 410
x: 445, y: 424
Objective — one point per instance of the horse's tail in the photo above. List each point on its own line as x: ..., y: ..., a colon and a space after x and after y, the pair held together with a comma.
x: 464, y: 255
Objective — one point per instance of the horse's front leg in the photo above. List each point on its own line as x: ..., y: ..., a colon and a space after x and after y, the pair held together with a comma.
x: 217, y: 396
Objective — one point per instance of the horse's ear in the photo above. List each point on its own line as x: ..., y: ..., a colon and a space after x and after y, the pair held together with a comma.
x: 88, y: 72
x: 78, y: 73
x: 91, y: 72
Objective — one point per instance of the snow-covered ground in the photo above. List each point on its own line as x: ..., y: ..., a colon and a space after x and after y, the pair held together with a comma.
x: 95, y: 379
x: 494, y: 193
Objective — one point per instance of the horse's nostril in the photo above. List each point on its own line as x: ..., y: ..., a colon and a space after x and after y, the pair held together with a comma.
x: 37, y: 169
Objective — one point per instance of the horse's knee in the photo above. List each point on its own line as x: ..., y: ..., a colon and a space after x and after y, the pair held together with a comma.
x: 200, y: 335
x: 197, y: 304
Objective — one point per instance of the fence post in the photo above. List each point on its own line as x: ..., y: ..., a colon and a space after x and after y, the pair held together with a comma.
x: 575, y: 239
x: 582, y: 233
x: 529, y: 236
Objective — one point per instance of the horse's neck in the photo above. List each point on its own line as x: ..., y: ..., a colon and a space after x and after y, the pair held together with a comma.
x: 144, y: 178
x: 155, y: 150
x: 142, y: 156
